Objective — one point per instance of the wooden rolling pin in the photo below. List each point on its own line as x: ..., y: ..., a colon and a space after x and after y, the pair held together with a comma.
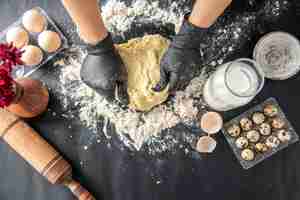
x: 38, y: 153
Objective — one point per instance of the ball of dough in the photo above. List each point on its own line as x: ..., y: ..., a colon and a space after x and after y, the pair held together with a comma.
x: 265, y: 129
x: 234, y: 130
x: 34, y: 21
x: 49, y: 41
x: 253, y: 136
x: 258, y: 118
x: 211, y: 122
x: 247, y: 154
x: 246, y: 124
x: 283, y: 135
x: 18, y: 36
x: 270, y: 110
x: 32, y: 55
x: 272, y: 142
x: 206, y: 144
x: 261, y: 147
x: 141, y: 57
x: 241, y: 142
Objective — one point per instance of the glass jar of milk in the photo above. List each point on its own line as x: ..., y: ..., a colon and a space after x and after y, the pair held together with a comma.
x: 234, y: 84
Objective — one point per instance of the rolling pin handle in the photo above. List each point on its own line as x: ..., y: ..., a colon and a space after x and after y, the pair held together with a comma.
x: 78, y: 191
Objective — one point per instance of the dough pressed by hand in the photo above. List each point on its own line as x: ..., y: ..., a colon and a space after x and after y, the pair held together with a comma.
x: 141, y: 57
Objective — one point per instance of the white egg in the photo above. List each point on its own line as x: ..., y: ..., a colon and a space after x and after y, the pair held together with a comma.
x: 18, y: 36
x: 49, y: 41
x: 34, y: 21
x: 32, y: 55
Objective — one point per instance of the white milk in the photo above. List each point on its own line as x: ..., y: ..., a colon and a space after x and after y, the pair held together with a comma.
x: 233, y: 85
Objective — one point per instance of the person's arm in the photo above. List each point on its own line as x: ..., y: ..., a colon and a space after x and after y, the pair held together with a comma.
x: 102, y: 68
x: 182, y: 59
x: 87, y: 17
x: 205, y: 12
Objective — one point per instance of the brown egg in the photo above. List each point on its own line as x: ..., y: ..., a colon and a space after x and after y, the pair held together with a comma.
x: 242, y: 142
x: 34, y: 21
x: 278, y: 123
x: 270, y: 110
x: 261, y: 147
x: 17, y: 36
x: 283, y: 135
x: 258, y: 118
x: 32, y: 55
x: 49, y: 41
x: 211, y: 122
x: 253, y: 136
x: 234, y: 130
x: 206, y: 144
x: 272, y: 142
x: 246, y: 124
x: 247, y: 154
x: 265, y: 129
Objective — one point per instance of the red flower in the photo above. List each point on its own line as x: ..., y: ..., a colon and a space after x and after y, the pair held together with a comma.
x: 7, y: 93
x: 10, y: 56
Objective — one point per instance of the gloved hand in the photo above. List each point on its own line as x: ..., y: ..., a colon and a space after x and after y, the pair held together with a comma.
x: 103, y: 69
x: 182, y: 59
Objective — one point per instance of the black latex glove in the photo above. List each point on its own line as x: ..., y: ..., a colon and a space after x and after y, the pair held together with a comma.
x: 103, y: 69
x: 182, y: 59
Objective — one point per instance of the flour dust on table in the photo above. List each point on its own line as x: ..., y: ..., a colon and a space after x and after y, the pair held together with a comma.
x: 167, y: 127
x: 134, y: 128
x: 122, y: 19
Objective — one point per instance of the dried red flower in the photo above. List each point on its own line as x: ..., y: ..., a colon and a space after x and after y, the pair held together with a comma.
x: 10, y: 56
x: 7, y: 93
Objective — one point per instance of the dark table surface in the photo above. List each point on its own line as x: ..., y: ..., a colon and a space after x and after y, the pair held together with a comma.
x: 113, y: 173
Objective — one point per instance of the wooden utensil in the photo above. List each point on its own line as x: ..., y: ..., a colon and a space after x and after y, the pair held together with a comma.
x: 38, y: 153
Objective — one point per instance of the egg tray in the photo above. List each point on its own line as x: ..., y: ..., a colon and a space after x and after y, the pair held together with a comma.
x: 20, y: 71
x: 259, y: 157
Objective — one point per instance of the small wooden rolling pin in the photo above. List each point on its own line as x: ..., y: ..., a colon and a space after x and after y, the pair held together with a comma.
x: 38, y: 153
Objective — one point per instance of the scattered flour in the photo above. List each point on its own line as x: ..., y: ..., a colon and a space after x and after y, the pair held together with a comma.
x: 138, y: 126
x: 136, y: 129
x: 119, y: 18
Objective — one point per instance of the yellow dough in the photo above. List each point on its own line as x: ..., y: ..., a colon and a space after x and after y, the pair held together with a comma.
x: 141, y: 57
